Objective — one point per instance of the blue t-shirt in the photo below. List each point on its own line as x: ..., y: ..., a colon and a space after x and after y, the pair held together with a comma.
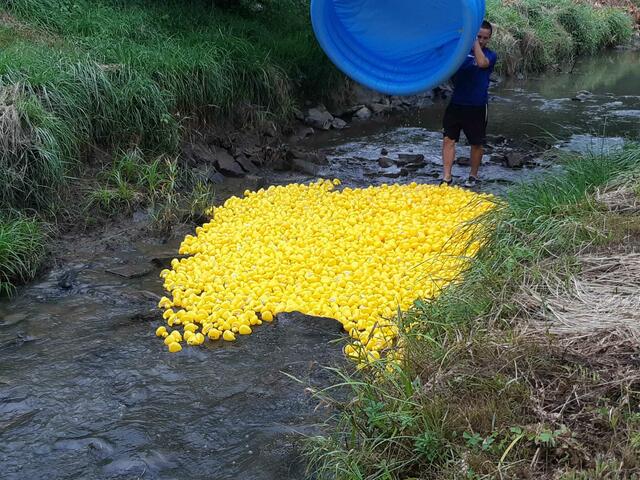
x: 471, y: 83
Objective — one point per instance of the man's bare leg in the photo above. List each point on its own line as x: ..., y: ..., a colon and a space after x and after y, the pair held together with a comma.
x: 448, y: 156
x: 476, y: 159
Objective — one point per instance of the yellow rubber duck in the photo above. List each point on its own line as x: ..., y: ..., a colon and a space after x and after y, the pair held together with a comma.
x: 358, y: 255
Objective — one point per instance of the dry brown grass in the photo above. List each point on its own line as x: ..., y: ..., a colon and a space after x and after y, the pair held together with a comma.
x: 621, y: 198
x: 604, y: 295
x: 12, y: 135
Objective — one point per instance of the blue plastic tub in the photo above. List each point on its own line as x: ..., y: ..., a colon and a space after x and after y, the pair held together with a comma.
x: 398, y: 47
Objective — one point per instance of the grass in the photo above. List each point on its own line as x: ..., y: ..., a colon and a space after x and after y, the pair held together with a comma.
x: 132, y: 73
x: 132, y: 181
x: 534, y: 35
x: 479, y: 395
x: 22, y: 248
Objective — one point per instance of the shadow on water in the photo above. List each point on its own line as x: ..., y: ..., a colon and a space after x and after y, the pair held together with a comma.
x: 88, y: 391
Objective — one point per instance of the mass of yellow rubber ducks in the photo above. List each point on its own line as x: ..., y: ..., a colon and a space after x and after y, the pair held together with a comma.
x: 355, y: 255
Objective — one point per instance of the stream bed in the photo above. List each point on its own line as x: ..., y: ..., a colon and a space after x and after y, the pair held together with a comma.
x: 87, y: 390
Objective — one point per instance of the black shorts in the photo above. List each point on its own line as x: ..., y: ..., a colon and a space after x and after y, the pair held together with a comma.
x: 471, y: 120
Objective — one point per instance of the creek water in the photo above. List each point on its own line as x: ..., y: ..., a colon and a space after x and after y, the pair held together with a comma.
x: 88, y: 391
x: 530, y: 114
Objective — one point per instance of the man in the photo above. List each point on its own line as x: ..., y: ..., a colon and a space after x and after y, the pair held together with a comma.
x: 468, y: 110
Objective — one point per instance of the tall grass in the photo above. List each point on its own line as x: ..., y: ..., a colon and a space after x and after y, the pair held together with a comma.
x: 21, y: 250
x: 472, y: 397
x: 124, y: 74
x: 533, y: 35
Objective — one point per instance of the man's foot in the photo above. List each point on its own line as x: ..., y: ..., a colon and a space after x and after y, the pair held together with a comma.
x: 446, y: 182
x: 471, y: 182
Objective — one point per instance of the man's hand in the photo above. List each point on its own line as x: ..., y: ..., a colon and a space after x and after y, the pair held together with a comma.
x: 481, y: 59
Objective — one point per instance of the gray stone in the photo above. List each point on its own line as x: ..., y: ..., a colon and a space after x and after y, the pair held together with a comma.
x: 514, y: 160
x: 252, y: 151
x: 422, y: 101
x: 226, y: 164
x: 386, y: 162
x: 411, y: 158
x: 347, y: 111
x: 496, y: 140
x: 338, y: 123
x: 317, y: 158
x: 318, y: 118
x: 365, y: 95
x: 249, y: 182
x: 400, y: 101
x: 363, y: 114
x: 379, y: 108
x: 132, y: 270
x: 464, y: 161
x: 195, y: 153
x: 208, y: 174
x: 255, y: 182
x: 393, y: 172
x: 246, y: 164
x: 443, y: 91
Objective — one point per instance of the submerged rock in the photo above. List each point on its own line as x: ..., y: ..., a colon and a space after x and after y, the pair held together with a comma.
x: 414, y: 159
x: 386, y: 162
x: 132, y: 270
x: 316, y: 158
x: 514, y: 159
x: 303, y: 166
x: 582, y: 96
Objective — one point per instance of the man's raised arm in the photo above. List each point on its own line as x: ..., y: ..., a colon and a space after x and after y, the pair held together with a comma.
x: 481, y: 59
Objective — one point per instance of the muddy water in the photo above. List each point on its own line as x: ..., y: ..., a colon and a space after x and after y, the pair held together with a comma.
x: 87, y: 391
